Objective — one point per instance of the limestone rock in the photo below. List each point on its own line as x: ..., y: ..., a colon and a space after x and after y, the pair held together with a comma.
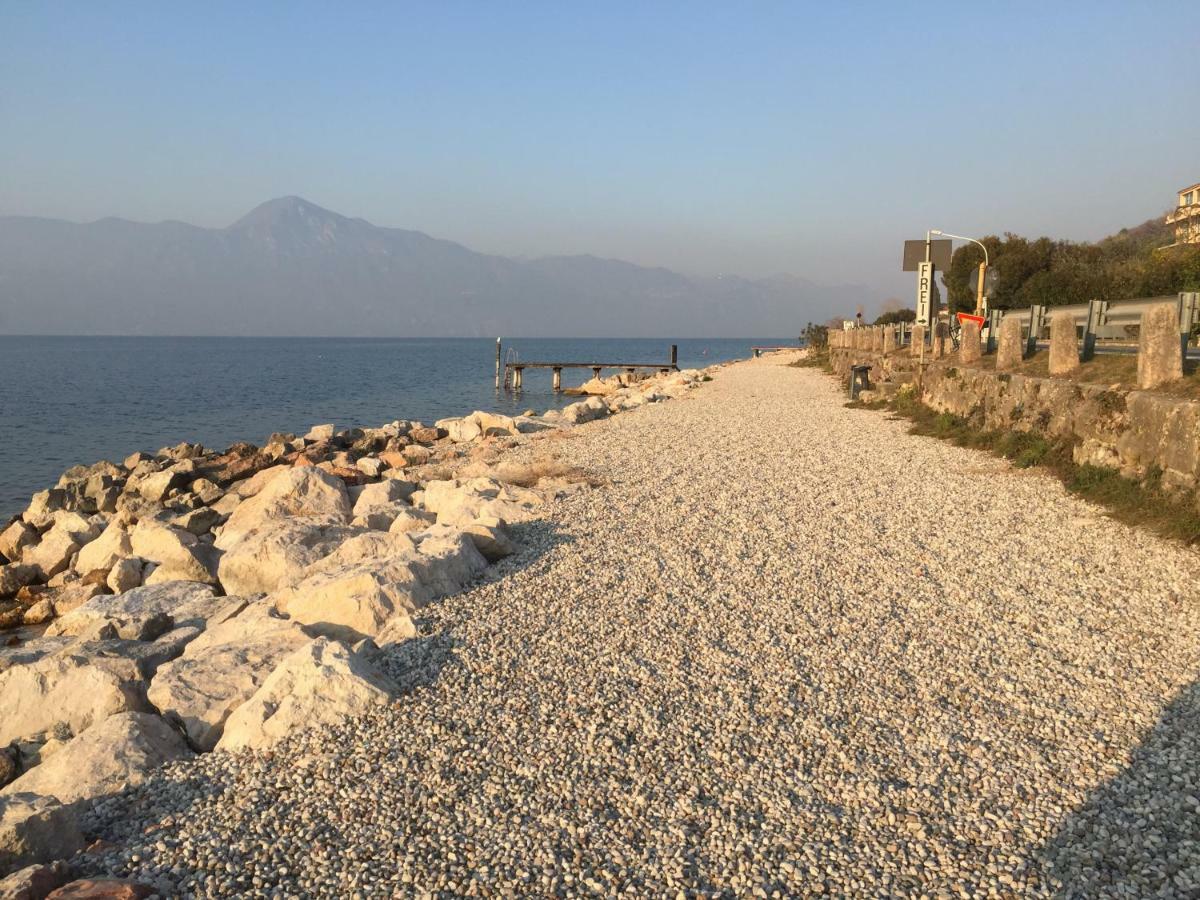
x: 1064, y: 344
x: 410, y: 519
x: 370, y: 466
x: 352, y: 593
x: 158, y: 486
x: 15, y: 538
x: 35, y: 829
x: 323, y: 682
x: 275, y: 554
x: 383, y: 495
x: 104, y: 552
x: 125, y: 575
x: 53, y: 553
x: 73, y: 596
x: 307, y: 491
x: 969, y: 349
x: 186, y: 602
x: 460, y: 431
x: 321, y: 432
x: 66, y: 688
x: 103, y: 889
x: 111, y: 755
x: 33, y: 882
x: 42, y: 507
x: 1008, y: 345
x: 15, y: 576
x: 178, y: 555
x: 40, y: 612
x: 490, y: 539
x: 459, y: 502
x: 221, y: 669
x: 1160, y: 356
x: 447, y: 560
x: 251, y: 486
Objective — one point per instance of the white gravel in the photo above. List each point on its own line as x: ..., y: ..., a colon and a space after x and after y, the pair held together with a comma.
x: 788, y: 649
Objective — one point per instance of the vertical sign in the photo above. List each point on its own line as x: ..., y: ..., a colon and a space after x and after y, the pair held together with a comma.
x: 925, y: 314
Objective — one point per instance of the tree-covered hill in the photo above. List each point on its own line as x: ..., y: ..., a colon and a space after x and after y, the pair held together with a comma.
x: 1134, y: 262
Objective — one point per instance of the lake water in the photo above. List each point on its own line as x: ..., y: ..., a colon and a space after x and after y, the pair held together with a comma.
x: 71, y: 400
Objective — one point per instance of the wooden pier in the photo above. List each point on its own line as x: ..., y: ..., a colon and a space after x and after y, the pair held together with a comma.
x: 514, y: 372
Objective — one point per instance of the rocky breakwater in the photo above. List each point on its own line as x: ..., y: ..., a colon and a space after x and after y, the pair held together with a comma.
x: 189, y: 600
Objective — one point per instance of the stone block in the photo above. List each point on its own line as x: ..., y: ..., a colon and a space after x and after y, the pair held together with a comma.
x: 1064, y: 345
x: 1008, y: 346
x: 969, y: 349
x: 1160, y: 357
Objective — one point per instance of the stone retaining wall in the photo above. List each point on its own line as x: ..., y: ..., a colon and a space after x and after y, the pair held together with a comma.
x: 1132, y: 431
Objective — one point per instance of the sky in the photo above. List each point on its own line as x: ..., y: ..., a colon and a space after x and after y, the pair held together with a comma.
x: 750, y: 138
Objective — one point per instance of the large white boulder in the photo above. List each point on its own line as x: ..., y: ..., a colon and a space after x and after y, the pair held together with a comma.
x: 276, y: 553
x: 355, y: 591
x: 177, y: 554
x: 15, y: 538
x: 460, y: 431
x: 306, y: 491
x: 36, y: 829
x: 111, y: 755
x: 383, y: 495
x: 105, y: 551
x: 77, y: 690
x: 323, y: 682
x: 221, y: 669
x: 186, y: 602
x: 53, y: 553
x: 409, y: 520
x: 459, y: 502
x: 447, y: 560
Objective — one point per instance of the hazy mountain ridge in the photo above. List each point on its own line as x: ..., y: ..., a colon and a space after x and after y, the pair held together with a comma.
x: 289, y: 267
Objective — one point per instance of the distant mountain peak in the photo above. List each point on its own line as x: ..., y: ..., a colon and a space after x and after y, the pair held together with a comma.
x: 292, y: 222
x: 287, y: 210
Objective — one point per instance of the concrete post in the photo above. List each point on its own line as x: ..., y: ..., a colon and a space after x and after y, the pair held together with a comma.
x: 969, y: 349
x: 918, y: 338
x: 1008, y: 345
x: 1160, y: 359
x: 1064, y: 344
x: 939, y: 340
x: 889, y: 339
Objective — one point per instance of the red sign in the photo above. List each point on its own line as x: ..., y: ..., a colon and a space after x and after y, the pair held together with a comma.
x: 967, y: 317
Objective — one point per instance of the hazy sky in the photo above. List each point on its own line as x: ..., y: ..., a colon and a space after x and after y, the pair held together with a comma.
x: 753, y: 138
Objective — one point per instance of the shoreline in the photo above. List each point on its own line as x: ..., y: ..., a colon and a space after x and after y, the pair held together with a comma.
x: 185, y: 601
x: 753, y: 660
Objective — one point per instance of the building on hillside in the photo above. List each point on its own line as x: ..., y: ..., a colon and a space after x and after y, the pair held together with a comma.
x: 1186, y: 216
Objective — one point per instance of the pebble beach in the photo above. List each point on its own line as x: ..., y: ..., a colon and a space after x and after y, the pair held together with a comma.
x: 784, y: 648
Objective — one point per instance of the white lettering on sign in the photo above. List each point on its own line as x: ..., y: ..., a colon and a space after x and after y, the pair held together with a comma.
x: 925, y: 312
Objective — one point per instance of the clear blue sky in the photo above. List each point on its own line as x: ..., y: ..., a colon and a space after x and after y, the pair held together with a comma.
x: 752, y: 138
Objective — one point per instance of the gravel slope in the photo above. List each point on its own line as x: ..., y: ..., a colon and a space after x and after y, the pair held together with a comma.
x: 788, y: 649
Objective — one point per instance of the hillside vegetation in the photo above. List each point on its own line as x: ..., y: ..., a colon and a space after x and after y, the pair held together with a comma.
x: 1135, y: 262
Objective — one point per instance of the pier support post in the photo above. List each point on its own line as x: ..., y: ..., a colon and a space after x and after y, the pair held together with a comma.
x: 517, y: 378
x: 557, y: 379
x: 674, y: 356
x: 595, y: 371
x: 497, y: 363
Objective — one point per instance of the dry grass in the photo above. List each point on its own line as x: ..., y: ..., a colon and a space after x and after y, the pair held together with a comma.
x: 1117, y: 371
x: 529, y: 474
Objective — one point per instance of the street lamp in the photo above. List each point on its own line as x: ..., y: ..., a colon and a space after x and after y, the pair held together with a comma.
x: 983, y: 266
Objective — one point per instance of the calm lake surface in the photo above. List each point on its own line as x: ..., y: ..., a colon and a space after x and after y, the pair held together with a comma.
x: 71, y: 400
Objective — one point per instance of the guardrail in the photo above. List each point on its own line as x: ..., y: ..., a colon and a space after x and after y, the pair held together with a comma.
x: 1098, y: 315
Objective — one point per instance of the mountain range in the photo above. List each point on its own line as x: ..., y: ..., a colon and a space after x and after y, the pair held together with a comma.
x: 291, y: 268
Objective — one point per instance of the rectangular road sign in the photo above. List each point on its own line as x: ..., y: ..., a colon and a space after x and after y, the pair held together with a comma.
x: 925, y: 311
x: 940, y: 252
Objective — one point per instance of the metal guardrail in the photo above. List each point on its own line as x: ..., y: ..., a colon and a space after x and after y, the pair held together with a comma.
x: 1098, y: 315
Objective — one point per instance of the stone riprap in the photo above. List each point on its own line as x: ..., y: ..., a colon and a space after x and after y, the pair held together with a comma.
x: 190, y: 599
x: 787, y: 650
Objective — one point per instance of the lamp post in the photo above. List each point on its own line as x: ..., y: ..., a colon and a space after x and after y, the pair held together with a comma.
x: 983, y: 266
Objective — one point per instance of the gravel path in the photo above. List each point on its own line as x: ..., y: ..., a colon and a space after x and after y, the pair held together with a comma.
x: 788, y: 649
